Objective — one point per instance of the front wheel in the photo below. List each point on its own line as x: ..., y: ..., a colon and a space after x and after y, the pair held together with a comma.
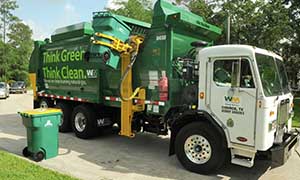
x: 84, y: 122
x: 200, y: 148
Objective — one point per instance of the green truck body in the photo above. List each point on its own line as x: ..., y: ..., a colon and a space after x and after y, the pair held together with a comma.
x: 63, y: 70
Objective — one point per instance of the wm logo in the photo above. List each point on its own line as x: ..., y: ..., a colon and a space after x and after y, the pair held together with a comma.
x: 91, y: 73
x: 232, y: 99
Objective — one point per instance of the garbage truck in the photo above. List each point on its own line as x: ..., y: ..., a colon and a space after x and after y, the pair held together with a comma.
x: 217, y: 103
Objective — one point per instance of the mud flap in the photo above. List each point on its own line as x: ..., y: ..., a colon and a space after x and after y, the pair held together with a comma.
x: 281, y: 153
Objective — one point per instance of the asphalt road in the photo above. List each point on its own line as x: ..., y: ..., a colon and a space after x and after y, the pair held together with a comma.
x: 113, y: 157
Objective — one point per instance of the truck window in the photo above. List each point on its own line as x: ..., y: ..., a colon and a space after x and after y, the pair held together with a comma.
x: 246, y: 79
x: 222, y: 72
x: 224, y: 75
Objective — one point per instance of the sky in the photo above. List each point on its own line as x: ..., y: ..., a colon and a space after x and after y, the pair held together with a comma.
x: 44, y: 16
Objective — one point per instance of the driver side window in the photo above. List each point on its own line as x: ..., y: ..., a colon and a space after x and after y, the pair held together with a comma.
x: 228, y: 72
x: 223, y: 72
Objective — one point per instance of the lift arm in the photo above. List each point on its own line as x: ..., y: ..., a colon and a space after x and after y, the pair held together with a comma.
x: 128, y: 55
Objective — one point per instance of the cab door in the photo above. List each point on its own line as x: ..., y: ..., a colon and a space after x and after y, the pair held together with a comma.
x: 233, y: 97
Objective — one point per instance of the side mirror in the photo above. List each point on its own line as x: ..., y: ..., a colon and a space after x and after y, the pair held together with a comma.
x: 235, y: 81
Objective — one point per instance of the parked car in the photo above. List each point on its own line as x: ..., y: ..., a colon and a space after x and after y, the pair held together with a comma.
x: 4, y: 90
x: 18, y: 87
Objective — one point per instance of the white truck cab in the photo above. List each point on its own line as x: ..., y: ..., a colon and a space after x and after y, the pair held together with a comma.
x: 245, y: 89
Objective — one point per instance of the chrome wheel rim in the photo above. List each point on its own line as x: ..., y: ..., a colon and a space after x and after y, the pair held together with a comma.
x: 197, y: 149
x: 80, y: 122
x: 43, y: 104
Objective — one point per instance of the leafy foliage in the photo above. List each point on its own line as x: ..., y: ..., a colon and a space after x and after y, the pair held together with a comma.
x: 6, y: 16
x: 136, y: 9
x: 16, y: 44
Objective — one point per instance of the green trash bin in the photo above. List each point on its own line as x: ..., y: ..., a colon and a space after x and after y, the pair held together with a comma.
x: 42, y: 133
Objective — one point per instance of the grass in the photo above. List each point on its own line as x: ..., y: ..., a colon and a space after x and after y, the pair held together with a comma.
x: 15, y: 168
x: 296, y: 119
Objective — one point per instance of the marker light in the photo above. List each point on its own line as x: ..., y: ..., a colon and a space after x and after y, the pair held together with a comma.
x: 201, y: 95
x: 272, y: 113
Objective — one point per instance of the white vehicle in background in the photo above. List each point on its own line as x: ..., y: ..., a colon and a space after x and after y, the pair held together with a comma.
x: 4, y: 90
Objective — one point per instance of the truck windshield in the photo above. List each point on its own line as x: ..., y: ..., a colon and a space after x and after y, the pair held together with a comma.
x: 273, y: 75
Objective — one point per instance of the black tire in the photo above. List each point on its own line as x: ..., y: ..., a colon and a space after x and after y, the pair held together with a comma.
x: 39, y: 156
x: 216, y: 142
x: 36, y: 104
x: 90, y: 129
x: 65, y: 126
x: 25, y: 152
x: 46, y: 103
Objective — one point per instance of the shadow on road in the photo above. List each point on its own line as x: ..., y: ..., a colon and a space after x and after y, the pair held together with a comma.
x: 147, y: 154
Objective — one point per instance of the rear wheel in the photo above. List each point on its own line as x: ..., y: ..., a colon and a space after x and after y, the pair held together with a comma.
x: 65, y: 123
x: 45, y: 103
x: 84, y: 122
x: 200, y: 148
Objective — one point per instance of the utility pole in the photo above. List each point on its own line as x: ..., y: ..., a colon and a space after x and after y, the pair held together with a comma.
x: 227, y: 24
x: 228, y: 29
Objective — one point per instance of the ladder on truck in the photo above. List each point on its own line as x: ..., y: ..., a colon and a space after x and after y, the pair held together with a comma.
x: 128, y: 53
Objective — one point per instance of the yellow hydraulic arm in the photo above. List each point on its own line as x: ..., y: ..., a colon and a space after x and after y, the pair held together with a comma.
x: 128, y: 57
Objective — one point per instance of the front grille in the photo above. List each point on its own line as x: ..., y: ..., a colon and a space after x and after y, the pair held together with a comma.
x: 283, y: 112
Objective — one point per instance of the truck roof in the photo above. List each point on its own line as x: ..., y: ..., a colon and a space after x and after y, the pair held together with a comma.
x: 235, y: 50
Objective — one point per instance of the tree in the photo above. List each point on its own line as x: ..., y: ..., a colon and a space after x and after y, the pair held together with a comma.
x: 292, y: 45
x: 21, y: 44
x: 6, y: 16
x: 258, y: 23
x: 204, y: 8
x: 136, y: 9
x: 15, y: 44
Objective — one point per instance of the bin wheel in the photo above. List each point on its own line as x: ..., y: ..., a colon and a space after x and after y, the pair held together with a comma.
x: 25, y: 152
x: 39, y: 156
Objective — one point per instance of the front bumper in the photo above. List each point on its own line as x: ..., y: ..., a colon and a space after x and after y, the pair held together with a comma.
x: 2, y: 95
x: 280, y: 153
